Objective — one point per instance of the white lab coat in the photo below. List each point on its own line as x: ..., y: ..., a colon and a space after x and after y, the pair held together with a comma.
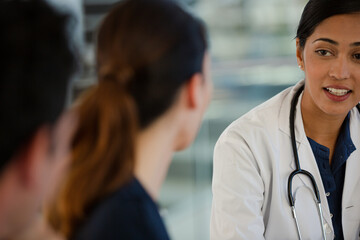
x: 252, y: 162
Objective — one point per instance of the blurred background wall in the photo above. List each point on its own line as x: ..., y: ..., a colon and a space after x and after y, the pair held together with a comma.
x: 253, y: 58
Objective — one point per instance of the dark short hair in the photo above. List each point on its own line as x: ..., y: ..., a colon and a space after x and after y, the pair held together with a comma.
x: 36, y: 63
x: 317, y: 11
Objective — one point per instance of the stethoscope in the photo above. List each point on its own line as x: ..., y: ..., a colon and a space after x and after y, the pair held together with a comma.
x: 298, y: 169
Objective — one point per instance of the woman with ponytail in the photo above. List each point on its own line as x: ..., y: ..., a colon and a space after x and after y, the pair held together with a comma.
x: 152, y: 92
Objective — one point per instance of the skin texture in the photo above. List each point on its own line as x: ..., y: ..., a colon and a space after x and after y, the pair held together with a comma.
x: 330, y: 58
x: 32, y: 177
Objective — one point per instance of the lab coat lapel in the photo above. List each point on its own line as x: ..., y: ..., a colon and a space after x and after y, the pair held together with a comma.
x: 352, y: 176
x: 351, y: 198
x: 284, y: 122
x: 306, y: 156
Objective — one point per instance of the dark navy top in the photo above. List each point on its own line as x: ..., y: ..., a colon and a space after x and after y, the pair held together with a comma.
x: 333, y: 175
x: 129, y: 213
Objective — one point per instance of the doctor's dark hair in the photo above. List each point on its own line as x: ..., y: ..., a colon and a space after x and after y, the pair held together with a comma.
x: 317, y: 11
x: 36, y: 63
x: 147, y: 50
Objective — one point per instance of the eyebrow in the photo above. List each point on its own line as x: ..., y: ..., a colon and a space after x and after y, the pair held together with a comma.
x: 354, y: 44
x: 326, y: 40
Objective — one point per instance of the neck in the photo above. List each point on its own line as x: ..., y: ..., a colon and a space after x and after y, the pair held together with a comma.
x: 154, y: 150
x: 321, y: 127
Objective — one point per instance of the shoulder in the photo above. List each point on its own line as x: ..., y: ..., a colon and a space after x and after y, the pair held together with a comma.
x: 129, y: 213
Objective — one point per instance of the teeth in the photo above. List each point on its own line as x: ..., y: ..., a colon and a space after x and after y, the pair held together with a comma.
x: 337, y: 92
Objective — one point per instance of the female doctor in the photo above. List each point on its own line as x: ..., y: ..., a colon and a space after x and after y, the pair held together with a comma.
x: 259, y: 189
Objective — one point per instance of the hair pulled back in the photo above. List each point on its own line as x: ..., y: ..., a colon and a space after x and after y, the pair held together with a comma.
x: 147, y: 50
x: 317, y: 11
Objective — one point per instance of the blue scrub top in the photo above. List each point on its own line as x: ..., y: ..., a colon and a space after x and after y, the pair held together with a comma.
x: 129, y: 213
x: 333, y: 175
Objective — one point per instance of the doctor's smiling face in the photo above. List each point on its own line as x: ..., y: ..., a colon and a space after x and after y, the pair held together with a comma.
x: 330, y: 59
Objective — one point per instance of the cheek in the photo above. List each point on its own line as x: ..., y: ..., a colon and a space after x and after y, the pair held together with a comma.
x: 357, y: 93
x: 56, y: 174
x: 356, y: 76
x: 315, y: 71
x: 60, y: 156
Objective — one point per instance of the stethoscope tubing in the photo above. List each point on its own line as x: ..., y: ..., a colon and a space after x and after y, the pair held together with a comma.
x: 298, y: 169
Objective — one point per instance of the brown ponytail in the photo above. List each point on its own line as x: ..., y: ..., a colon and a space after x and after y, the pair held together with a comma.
x: 102, y: 154
x: 146, y: 51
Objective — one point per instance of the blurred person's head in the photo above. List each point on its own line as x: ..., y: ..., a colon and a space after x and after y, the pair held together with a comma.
x: 36, y: 65
x: 152, y: 65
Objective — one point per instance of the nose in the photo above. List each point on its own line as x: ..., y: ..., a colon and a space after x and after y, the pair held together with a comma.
x: 340, y: 69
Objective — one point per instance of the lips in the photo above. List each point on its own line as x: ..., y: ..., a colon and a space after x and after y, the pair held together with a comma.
x: 337, y: 91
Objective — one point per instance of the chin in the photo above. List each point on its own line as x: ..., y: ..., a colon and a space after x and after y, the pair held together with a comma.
x: 184, y: 143
x: 337, y: 110
x: 181, y: 147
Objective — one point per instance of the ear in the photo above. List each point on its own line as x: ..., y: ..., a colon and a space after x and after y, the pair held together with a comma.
x: 299, y: 54
x: 194, y: 90
x: 31, y: 158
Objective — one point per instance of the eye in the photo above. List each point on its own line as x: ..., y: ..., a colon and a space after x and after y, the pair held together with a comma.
x: 324, y: 53
x: 357, y: 56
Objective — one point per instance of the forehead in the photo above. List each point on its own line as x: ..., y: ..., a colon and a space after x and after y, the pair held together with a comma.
x: 345, y: 27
